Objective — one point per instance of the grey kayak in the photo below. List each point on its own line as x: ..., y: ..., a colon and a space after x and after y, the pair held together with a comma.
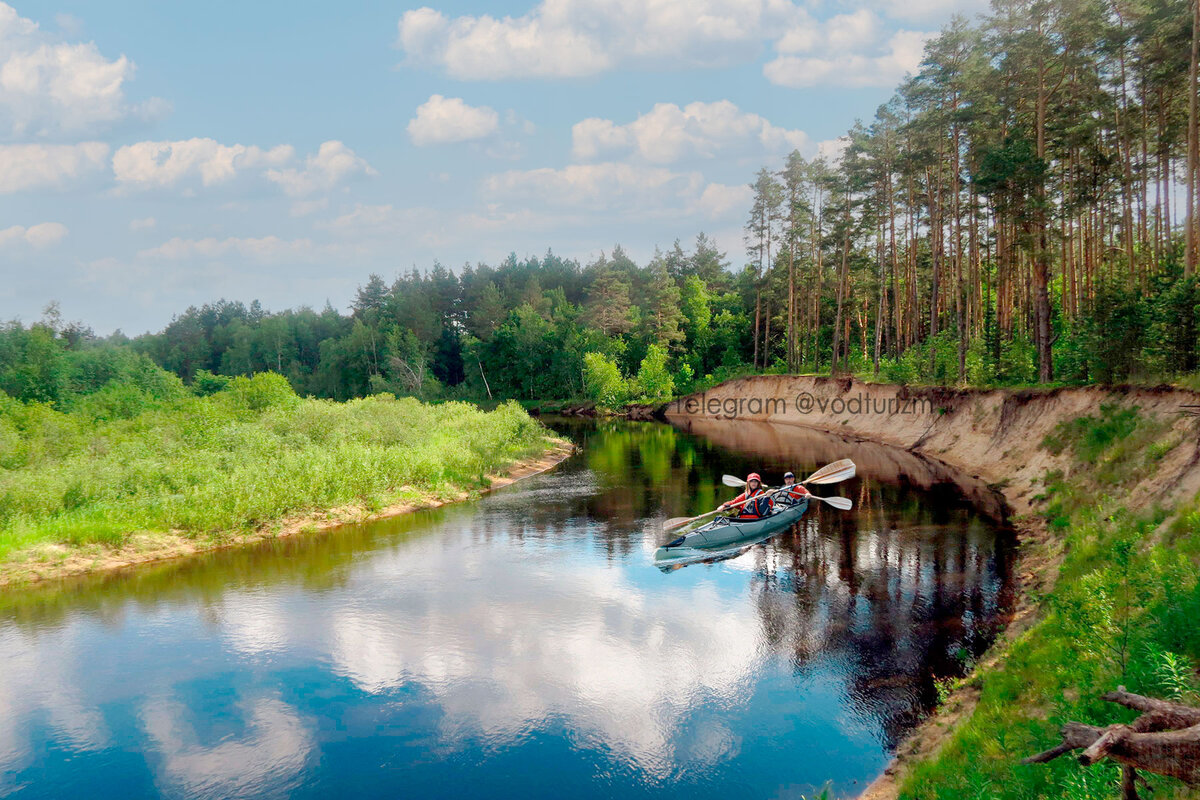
x: 724, y: 532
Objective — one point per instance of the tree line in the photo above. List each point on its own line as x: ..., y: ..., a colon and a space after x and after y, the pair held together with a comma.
x: 534, y: 329
x: 1023, y: 208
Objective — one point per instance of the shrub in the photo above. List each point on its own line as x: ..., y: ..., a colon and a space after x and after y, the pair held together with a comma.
x: 602, y: 381
x: 262, y: 391
x: 654, y: 383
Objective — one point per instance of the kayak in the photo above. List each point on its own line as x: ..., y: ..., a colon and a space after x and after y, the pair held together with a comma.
x: 724, y: 532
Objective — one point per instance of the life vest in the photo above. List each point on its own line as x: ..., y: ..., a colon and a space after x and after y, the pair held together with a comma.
x: 791, y: 495
x: 760, y: 506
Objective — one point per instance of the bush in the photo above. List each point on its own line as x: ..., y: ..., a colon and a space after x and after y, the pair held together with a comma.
x: 602, y: 381
x: 262, y: 391
x: 654, y: 383
x: 206, y: 383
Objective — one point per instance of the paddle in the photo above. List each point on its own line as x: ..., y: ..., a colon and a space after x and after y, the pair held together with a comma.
x: 842, y: 503
x: 836, y: 472
x: 830, y: 473
x: 679, y: 522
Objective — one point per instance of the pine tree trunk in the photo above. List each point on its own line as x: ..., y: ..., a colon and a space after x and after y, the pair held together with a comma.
x: 1041, y: 267
x: 1193, y: 165
x: 756, y: 315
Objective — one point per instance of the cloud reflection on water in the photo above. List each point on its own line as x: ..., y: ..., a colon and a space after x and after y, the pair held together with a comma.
x: 532, y: 616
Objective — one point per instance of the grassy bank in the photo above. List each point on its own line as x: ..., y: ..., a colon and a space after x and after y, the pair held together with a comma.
x: 123, y: 461
x: 1123, y: 611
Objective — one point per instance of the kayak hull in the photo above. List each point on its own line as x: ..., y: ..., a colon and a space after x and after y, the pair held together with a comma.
x: 723, y: 533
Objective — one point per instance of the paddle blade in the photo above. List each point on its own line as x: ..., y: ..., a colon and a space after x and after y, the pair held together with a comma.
x: 836, y: 472
x: 729, y: 480
x: 676, y: 522
x: 842, y: 503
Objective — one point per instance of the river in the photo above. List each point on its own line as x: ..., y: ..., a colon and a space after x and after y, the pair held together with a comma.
x: 522, y: 645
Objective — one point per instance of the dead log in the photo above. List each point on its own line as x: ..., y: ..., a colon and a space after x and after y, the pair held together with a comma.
x: 1164, y: 740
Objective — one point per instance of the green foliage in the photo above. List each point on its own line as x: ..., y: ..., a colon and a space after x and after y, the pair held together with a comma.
x: 602, y: 381
x: 654, y: 383
x: 261, y: 392
x: 207, y: 383
x: 33, y: 365
x: 1116, y: 331
x: 1117, y: 444
x: 241, y: 457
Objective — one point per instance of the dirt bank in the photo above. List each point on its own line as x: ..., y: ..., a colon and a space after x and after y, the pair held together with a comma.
x: 58, y: 561
x: 995, y: 437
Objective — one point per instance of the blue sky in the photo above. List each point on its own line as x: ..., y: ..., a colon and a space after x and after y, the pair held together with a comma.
x: 157, y: 155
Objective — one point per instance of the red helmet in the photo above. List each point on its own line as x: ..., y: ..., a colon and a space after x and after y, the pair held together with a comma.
x: 753, y: 476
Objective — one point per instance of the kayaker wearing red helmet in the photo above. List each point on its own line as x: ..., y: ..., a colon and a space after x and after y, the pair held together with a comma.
x: 755, y: 509
x: 791, y: 493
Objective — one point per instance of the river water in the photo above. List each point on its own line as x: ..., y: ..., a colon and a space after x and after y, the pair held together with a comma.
x: 522, y: 645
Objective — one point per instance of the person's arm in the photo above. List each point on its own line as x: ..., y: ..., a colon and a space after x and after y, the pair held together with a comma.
x: 737, y: 499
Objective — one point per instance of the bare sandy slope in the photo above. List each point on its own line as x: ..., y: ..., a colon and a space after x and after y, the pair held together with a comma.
x: 993, y: 435
x: 989, y: 442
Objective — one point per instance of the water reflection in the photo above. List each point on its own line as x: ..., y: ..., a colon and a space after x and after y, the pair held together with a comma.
x: 268, y: 751
x: 524, y: 644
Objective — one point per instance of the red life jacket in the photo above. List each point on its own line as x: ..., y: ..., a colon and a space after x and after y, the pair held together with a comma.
x: 756, y: 508
x: 792, y: 494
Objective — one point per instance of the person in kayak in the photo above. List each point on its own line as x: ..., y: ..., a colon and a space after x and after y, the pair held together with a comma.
x: 755, y: 509
x: 791, y: 492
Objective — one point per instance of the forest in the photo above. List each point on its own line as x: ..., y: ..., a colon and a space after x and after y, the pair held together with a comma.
x: 1023, y: 210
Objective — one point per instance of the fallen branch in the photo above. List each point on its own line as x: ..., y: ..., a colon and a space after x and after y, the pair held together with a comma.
x: 1164, y: 740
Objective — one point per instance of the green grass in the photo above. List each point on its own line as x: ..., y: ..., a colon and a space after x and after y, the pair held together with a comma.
x: 1123, y: 611
x: 240, y: 458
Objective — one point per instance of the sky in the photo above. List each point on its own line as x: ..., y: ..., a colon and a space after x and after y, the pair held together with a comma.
x: 159, y: 155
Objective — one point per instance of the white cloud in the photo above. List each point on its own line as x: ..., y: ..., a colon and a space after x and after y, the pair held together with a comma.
x: 36, y: 166
x: 52, y: 88
x: 932, y: 9
x: 333, y: 164
x: 832, y: 149
x: 437, y: 229
x: 572, y: 38
x: 373, y: 220
x: 426, y: 226
x: 852, y: 50
x: 265, y: 248
x: 610, y: 189
x: 669, y: 133
x: 207, y: 162
x: 165, y: 164
x: 718, y: 200
x: 448, y: 119
x: 37, y: 236
x: 143, y: 224
x: 603, y: 186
